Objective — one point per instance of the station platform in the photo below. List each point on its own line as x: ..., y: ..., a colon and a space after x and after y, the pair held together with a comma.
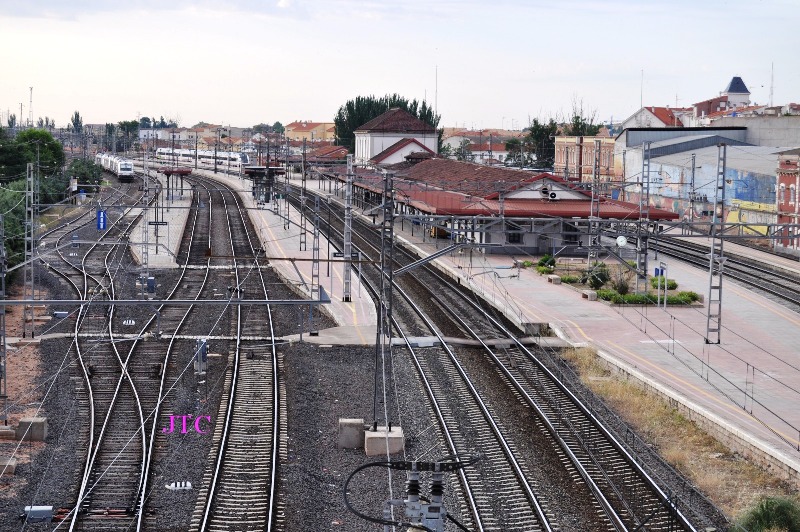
x: 165, y: 227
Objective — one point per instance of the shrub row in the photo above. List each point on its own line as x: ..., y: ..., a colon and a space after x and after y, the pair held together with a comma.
x: 671, y: 283
x: 681, y: 298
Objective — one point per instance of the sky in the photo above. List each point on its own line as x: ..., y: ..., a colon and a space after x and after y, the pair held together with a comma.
x: 482, y: 64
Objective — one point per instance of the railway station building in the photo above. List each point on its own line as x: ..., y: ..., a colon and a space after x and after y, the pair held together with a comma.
x: 515, y: 211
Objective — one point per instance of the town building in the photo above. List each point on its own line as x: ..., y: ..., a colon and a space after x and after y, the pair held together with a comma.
x: 391, y: 133
x: 575, y: 156
x: 310, y: 131
x: 515, y: 211
x: 654, y: 117
x: 787, y: 201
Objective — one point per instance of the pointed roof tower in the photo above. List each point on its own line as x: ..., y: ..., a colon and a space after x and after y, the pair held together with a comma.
x: 736, y: 86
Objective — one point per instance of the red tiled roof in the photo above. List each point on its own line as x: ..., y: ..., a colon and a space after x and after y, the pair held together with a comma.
x: 397, y: 120
x: 666, y: 115
x: 303, y: 126
x: 476, y: 179
x: 730, y: 111
x: 397, y: 146
x: 495, y: 146
x: 330, y: 152
x: 446, y: 202
x: 713, y: 101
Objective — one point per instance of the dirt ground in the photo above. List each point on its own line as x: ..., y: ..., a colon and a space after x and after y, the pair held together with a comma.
x: 24, y: 395
x: 727, y: 479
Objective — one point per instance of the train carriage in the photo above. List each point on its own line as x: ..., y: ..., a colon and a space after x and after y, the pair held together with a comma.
x: 205, y: 158
x: 119, y: 166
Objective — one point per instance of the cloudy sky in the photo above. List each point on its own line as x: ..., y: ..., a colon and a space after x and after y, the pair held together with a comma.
x: 483, y: 63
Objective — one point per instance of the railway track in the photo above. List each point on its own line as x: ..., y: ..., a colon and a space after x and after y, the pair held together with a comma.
x: 620, y: 494
x: 89, y: 271
x: 775, y: 281
x: 239, y: 484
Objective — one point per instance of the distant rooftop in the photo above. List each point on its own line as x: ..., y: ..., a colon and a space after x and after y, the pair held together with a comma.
x: 397, y: 120
x: 736, y: 86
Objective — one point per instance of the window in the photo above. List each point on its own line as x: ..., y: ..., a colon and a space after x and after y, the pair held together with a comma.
x: 514, y: 237
x: 792, y: 194
x: 782, y: 196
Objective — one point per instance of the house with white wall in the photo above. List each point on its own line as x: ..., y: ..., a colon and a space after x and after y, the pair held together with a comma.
x: 393, y: 127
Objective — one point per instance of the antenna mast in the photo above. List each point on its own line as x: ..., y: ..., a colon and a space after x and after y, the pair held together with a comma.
x: 771, y: 83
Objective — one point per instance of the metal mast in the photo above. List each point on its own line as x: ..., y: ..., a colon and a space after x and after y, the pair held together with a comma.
x: 716, y: 257
x: 303, y: 243
x: 594, y: 212
x: 146, y: 228
x: 315, y: 291
x: 383, y: 342
x: 3, y: 344
x: 286, y: 188
x: 348, y: 230
x: 644, y: 221
x: 30, y: 245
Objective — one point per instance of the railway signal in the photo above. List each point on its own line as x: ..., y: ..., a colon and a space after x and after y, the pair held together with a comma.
x: 201, y: 356
x: 102, y: 220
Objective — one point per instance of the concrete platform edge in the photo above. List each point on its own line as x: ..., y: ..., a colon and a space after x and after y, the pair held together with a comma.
x: 769, y: 458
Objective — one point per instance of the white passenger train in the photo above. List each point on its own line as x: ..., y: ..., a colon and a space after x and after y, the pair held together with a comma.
x: 224, y: 159
x: 119, y: 166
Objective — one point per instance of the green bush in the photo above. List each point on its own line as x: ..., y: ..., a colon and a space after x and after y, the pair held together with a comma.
x: 681, y: 298
x: 570, y: 279
x: 526, y: 264
x: 671, y: 283
x: 773, y: 513
x: 620, y: 285
x: 544, y: 270
x: 597, y: 276
x: 548, y: 261
x: 609, y: 295
x: 639, y: 299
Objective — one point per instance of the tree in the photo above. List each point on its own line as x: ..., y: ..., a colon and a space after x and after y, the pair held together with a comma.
x: 86, y: 172
x: 110, y: 136
x: 145, y: 123
x: 45, y: 123
x: 39, y: 145
x: 15, y: 154
x: 12, y: 159
x: 362, y: 109
x: 514, y: 149
x: 12, y: 120
x: 261, y: 129
x: 464, y: 151
x: 446, y: 151
x: 77, y: 122
x: 540, y: 141
x: 277, y: 127
x: 128, y: 128
x: 581, y: 125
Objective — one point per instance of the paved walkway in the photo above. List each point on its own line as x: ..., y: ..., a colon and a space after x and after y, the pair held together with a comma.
x: 165, y: 225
